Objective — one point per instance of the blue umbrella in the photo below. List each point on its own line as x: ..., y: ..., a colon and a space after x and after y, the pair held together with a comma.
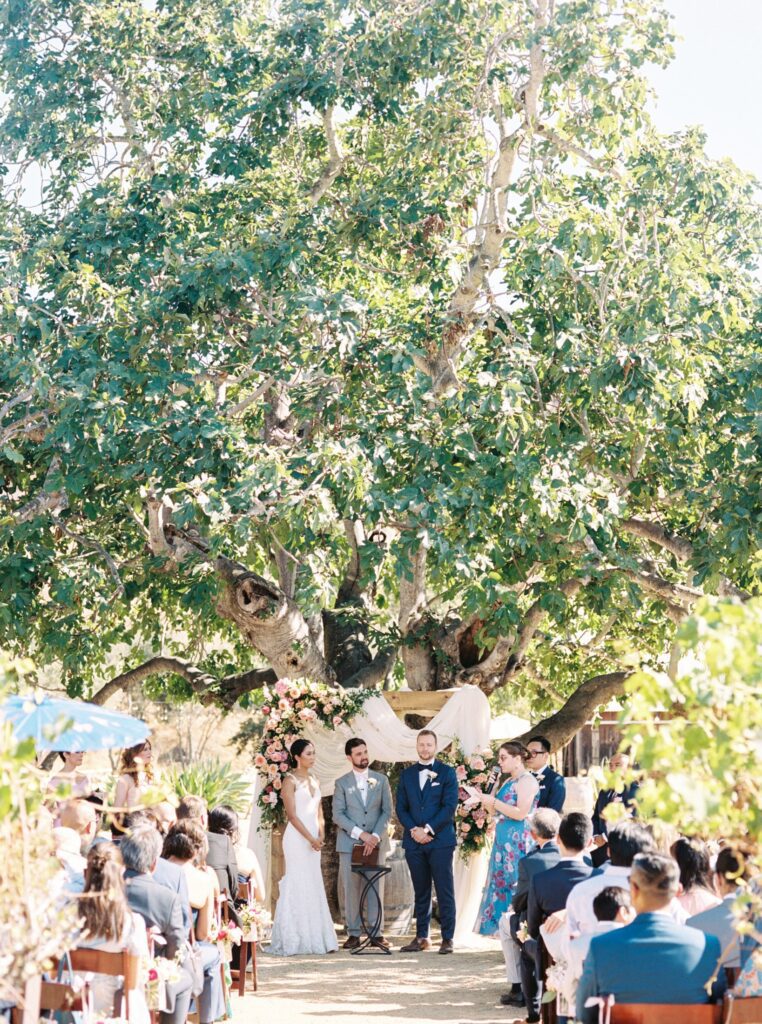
x: 57, y: 724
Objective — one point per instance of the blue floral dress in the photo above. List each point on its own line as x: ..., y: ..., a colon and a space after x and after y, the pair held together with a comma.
x: 512, y: 842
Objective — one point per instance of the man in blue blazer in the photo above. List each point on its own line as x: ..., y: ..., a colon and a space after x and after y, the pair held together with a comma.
x: 654, y: 959
x: 427, y: 798
x: 552, y: 785
x: 548, y: 892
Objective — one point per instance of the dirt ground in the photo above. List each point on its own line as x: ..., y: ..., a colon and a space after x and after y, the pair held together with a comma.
x: 464, y: 988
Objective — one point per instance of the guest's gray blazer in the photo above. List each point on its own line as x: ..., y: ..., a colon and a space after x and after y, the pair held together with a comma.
x: 719, y: 921
x: 349, y: 810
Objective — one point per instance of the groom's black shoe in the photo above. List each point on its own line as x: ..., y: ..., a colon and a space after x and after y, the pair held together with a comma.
x: 446, y: 946
x: 352, y: 942
x: 512, y: 999
x: 416, y: 946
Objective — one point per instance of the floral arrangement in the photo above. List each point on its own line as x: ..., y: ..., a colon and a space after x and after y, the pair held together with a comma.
x: 255, y: 921
x: 472, y: 824
x: 160, y: 972
x: 226, y: 936
x: 290, y: 707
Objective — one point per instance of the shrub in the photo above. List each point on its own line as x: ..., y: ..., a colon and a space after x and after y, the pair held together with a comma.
x: 213, y: 780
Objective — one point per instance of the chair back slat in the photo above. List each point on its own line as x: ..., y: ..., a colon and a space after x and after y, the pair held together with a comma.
x: 245, y: 891
x: 666, y: 1013
x: 56, y: 996
x: 99, y: 961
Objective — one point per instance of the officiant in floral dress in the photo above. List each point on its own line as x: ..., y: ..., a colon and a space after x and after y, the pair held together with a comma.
x: 511, y: 805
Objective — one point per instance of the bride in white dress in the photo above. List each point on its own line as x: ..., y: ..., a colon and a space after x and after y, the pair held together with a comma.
x: 302, y: 921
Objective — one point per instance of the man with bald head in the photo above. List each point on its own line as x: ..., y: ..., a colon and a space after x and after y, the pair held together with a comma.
x: 654, y: 959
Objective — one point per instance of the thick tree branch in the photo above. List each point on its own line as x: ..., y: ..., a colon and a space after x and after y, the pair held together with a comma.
x: 567, y: 146
x: 94, y: 545
x: 206, y: 687
x: 680, y: 548
x: 568, y: 720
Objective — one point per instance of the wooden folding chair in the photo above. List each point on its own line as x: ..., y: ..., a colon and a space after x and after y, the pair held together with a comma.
x: 56, y: 996
x: 247, y: 948
x: 666, y: 1013
x: 742, y: 1011
x: 98, y: 961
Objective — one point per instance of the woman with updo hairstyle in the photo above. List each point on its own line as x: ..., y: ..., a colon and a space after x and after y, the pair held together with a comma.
x: 696, y: 889
x: 302, y: 923
x: 108, y: 924
x: 511, y: 805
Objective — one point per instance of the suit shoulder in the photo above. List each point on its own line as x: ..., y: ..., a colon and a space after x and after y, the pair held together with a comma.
x: 447, y: 768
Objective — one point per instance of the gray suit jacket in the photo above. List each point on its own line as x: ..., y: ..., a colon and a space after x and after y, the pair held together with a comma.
x: 350, y: 811
x: 719, y: 921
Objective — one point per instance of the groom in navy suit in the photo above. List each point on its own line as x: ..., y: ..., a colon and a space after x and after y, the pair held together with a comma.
x: 427, y: 798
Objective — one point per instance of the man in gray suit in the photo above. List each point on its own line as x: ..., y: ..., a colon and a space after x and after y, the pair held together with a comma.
x: 362, y: 807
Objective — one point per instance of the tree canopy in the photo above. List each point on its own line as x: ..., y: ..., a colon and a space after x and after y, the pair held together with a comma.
x: 350, y: 339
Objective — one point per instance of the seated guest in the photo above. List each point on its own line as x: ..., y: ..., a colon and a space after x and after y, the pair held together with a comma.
x: 552, y: 785
x: 696, y: 893
x: 161, y: 910
x: 612, y: 909
x: 73, y: 838
x: 185, y: 845
x: 548, y: 892
x: 223, y: 820
x: 171, y: 876
x: 166, y: 816
x: 109, y: 925
x: 654, y: 959
x: 626, y: 840
x: 220, y: 854
x: 543, y: 827
x: 729, y: 871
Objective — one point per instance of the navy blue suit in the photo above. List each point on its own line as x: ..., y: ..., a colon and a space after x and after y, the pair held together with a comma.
x: 434, y: 805
x: 608, y: 796
x: 552, y: 790
x: 651, y: 960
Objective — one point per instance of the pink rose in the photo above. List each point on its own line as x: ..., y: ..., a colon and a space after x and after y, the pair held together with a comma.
x: 265, y: 709
x: 277, y: 783
x: 477, y: 763
x: 465, y: 827
x: 153, y: 974
x: 277, y: 745
x: 461, y: 773
x: 307, y: 715
x: 337, y: 721
x: 260, y: 761
x: 284, y: 767
x: 281, y: 687
x: 270, y: 798
x: 283, y: 704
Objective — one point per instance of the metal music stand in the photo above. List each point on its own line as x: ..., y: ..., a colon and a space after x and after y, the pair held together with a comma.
x: 372, y: 875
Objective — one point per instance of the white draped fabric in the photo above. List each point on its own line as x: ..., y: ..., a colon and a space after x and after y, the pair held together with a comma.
x: 464, y: 718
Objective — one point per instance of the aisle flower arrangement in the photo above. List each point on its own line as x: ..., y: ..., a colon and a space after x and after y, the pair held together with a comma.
x: 473, y: 828
x: 160, y: 972
x: 256, y: 922
x: 226, y: 936
x: 290, y: 706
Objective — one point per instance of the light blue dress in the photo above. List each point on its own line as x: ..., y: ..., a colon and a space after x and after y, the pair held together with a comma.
x: 512, y: 842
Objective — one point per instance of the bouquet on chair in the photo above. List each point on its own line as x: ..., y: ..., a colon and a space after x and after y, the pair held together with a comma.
x: 256, y: 922
x: 226, y: 935
x: 160, y: 972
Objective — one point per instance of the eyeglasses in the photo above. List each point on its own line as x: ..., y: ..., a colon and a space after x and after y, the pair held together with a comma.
x: 535, y: 753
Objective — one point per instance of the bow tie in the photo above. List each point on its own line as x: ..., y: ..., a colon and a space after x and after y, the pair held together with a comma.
x: 424, y: 767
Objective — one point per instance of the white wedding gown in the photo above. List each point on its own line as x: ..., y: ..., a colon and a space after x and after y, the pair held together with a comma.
x: 302, y: 923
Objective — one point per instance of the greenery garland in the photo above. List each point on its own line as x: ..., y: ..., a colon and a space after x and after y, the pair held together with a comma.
x: 290, y: 707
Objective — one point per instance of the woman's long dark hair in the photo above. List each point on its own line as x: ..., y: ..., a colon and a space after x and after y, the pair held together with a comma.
x: 296, y: 749
x: 693, y: 860
x: 103, y: 904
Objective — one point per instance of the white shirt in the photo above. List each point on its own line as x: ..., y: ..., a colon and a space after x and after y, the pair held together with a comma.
x: 423, y: 777
x: 580, y: 917
x: 362, y: 783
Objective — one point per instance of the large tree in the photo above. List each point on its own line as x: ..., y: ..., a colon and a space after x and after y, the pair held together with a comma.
x: 350, y: 338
